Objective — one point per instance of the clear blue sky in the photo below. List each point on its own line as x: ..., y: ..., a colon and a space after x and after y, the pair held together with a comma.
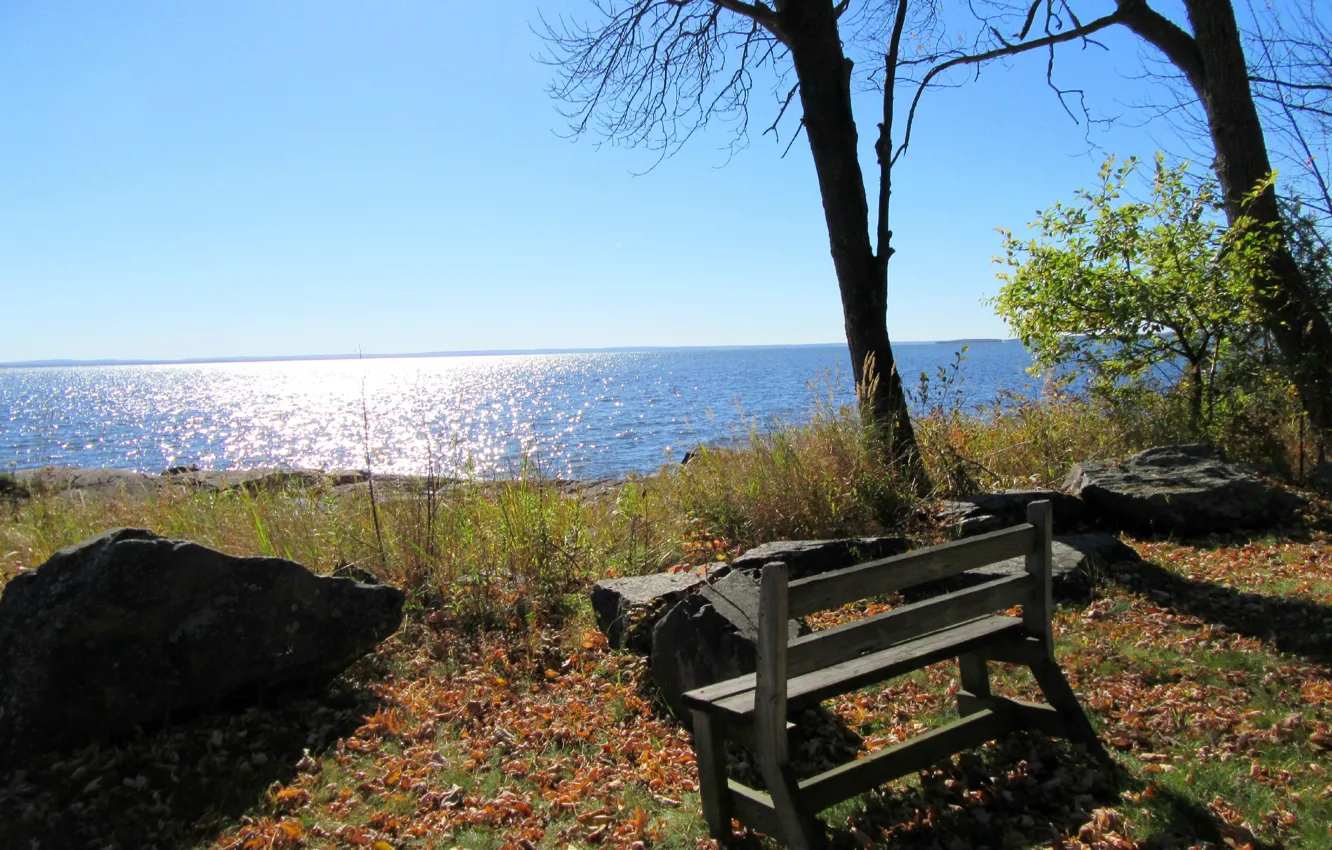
x: 249, y: 178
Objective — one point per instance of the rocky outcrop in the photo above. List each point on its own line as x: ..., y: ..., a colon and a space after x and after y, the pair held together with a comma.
x: 708, y: 636
x: 628, y: 609
x: 122, y: 482
x: 970, y: 515
x: 249, y: 480
x: 1186, y: 490
x: 98, y: 482
x: 343, y: 477
x: 129, y: 628
x: 812, y: 557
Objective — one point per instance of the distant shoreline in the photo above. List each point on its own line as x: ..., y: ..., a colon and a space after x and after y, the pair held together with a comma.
x: 505, y: 352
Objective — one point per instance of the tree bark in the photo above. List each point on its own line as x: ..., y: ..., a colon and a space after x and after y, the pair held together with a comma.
x: 1196, y: 397
x: 824, y: 74
x: 1213, y: 61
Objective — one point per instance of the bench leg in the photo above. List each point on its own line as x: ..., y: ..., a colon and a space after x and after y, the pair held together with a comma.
x: 710, y: 750
x: 800, y: 829
x: 975, y: 678
x: 1060, y: 695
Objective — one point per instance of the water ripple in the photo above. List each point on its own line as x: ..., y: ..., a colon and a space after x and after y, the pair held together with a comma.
x: 579, y: 415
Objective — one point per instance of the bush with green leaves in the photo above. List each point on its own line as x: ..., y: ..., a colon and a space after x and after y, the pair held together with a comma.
x: 1144, y: 295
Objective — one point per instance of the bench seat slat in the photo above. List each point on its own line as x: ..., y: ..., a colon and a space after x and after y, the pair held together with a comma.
x: 888, y: 575
x: 847, y: 780
x: 735, y: 697
x: 841, y: 643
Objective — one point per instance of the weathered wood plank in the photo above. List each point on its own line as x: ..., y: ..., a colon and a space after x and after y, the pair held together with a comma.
x: 770, y: 691
x: 842, y: 643
x: 710, y: 748
x: 1028, y: 715
x: 703, y: 698
x: 1040, y: 566
x: 887, y: 575
x: 757, y: 809
x: 770, y: 711
x: 974, y: 676
x: 847, y: 780
x: 818, y: 685
x: 1054, y: 687
x: 1059, y: 694
x: 753, y: 808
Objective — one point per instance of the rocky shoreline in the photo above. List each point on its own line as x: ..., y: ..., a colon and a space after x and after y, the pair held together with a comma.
x: 57, y: 480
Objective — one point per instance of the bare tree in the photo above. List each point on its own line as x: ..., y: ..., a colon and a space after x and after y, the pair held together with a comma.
x: 654, y: 72
x: 1290, y: 69
x: 1207, y: 49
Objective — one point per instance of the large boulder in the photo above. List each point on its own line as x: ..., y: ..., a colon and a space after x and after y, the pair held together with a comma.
x: 708, y: 636
x: 129, y: 628
x: 970, y: 515
x: 812, y: 557
x: 1187, y: 490
x: 627, y: 609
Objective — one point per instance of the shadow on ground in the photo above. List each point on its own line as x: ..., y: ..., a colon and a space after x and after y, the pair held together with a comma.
x: 174, y: 786
x: 1293, y: 625
x: 1026, y: 790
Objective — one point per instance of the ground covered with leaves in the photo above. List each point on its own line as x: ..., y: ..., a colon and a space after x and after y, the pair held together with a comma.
x: 1207, y: 670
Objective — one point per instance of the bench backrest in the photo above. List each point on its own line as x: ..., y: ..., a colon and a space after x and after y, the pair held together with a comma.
x: 781, y: 599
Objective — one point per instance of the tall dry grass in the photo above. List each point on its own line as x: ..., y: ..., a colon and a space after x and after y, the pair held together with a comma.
x: 506, y: 551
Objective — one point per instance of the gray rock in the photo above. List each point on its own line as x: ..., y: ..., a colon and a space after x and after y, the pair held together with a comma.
x: 1185, y: 490
x: 1320, y: 478
x: 966, y: 518
x: 1076, y: 560
x: 387, y: 488
x: 627, y: 609
x: 249, y: 480
x: 971, y: 515
x: 706, y: 637
x: 343, y: 477
x: 101, y: 482
x: 812, y: 557
x: 129, y: 628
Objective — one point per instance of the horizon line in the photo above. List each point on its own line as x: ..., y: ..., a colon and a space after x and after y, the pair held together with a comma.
x: 499, y: 352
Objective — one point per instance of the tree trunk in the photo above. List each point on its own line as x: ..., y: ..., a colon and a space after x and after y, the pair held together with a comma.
x: 1213, y: 61
x: 825, y: 95
x: 1196, y: 397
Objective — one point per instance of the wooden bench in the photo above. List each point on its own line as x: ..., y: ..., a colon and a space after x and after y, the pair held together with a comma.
x: 799, y: 673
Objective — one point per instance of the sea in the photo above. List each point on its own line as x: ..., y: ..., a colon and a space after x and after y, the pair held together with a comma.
x: 587, y: 415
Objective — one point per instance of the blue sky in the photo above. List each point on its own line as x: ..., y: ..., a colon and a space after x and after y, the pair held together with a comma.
x: 251, y: 178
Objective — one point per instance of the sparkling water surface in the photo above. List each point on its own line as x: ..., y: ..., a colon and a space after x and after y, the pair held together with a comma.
x: 585, y: 415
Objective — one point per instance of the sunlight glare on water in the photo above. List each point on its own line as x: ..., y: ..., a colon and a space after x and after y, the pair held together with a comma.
x: 579, y: 415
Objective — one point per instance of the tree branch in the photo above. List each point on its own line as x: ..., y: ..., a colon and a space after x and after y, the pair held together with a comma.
x: 754, y: 11
x: 790, y: 95
x: 1097, y: 25
x: 1284, y: 84
x: 1178, y: 46
x: 883, y: 148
